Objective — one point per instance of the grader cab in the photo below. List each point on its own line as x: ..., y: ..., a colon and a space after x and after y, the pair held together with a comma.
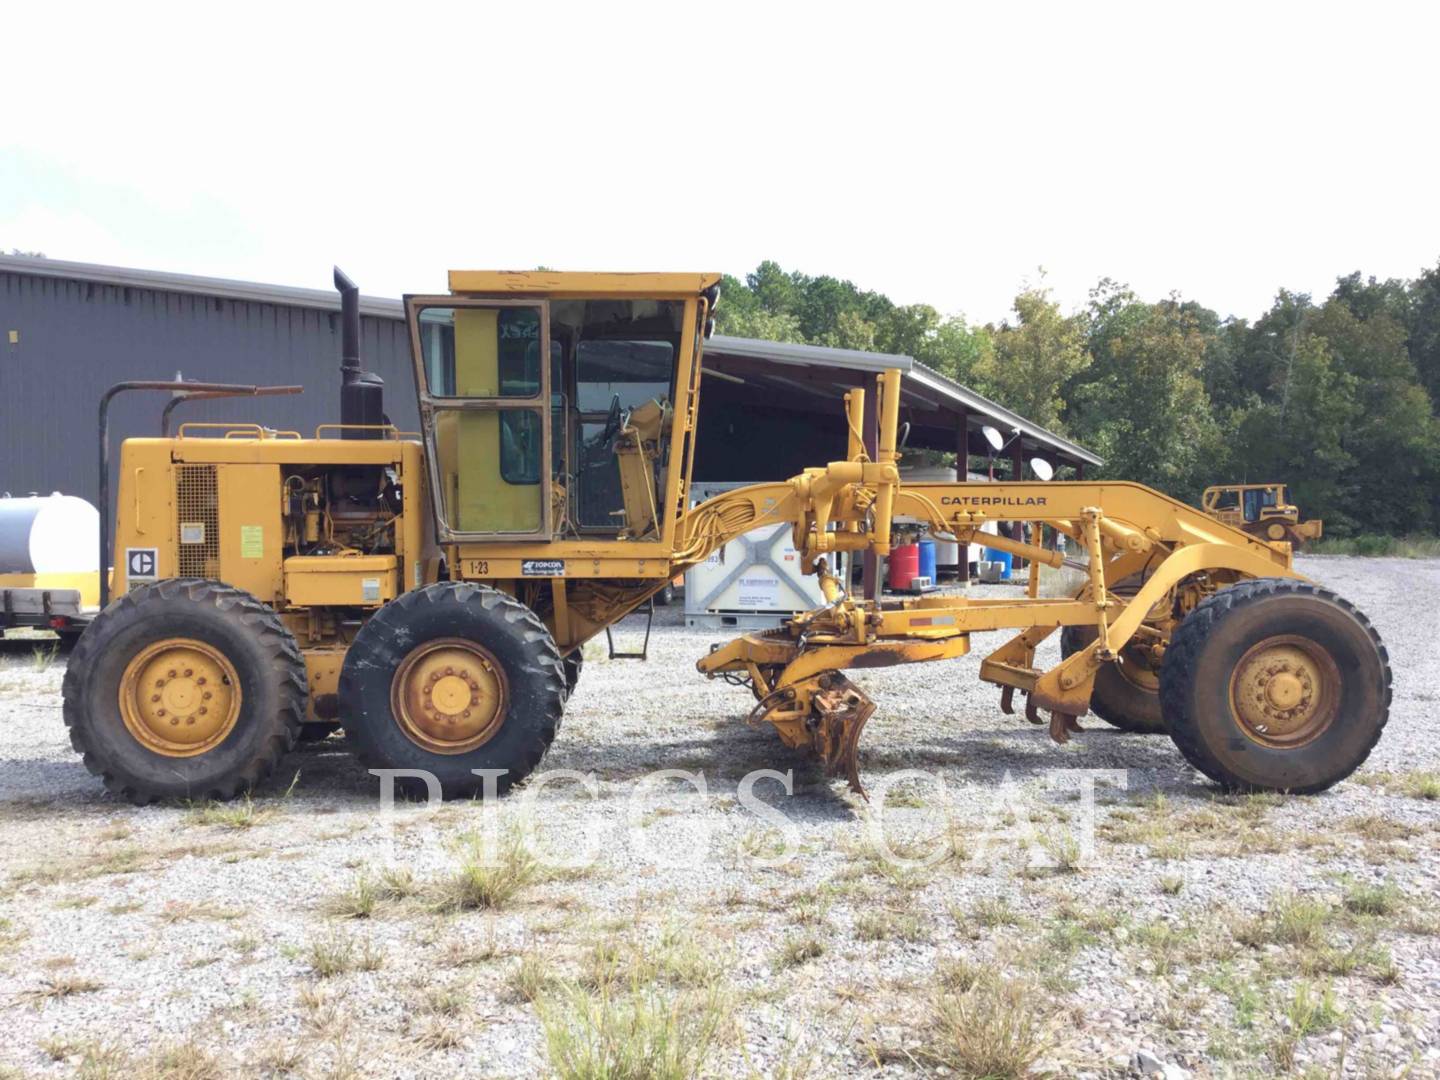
x: 431, y: 593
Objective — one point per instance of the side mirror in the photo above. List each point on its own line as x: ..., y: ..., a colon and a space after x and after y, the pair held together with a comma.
x: 1042, y: 468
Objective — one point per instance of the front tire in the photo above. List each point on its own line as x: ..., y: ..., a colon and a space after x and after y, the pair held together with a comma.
x: 452, y: 678
x: 1126, y: 694
x: 1275, y: 685
x: 184, y: 689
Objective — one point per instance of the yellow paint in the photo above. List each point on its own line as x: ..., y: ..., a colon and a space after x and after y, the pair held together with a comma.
x: 250, y: 533
x: 579, y: 284
x: 342, y: 580
x: 179, y: 697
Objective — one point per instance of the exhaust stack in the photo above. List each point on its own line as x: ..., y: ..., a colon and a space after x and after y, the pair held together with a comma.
x: 362, y: 393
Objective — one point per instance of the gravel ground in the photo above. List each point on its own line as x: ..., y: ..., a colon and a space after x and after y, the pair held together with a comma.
x: 306, y: 933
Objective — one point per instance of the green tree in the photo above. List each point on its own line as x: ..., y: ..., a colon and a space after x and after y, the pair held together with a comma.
x: 1142, y: 405
x: 1034, y: 358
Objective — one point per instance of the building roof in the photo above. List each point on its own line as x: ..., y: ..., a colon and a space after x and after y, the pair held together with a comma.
x: 921, y: 383
x: 225, y: 288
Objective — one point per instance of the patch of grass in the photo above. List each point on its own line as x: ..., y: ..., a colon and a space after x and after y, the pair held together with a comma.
x: 955, y: 976
x: 639, y: 1035
x: 184, y: 1061
x: 1063, y: 849
x: 890, y: 926
x: 356, y: 902
x: 1289, y: 920
x: 1372, y: 545
x: 337, y: 954
x: 1308, y: 1013
x: 531, y: 978
x: 798, y: 950
x: 41, y: 657
x: 676, y: 958
x: 186, y: 910
x: 281, y: 1058
x: 244, y: 813
x: 994, y: 1029
x: 481, y: 884
x: 438, y: 1033
x: 1360, y: 957
x: 994, y: 911
x: 1378, y: 827
x: 1172, y: 884
x: 100, y: 1060
x: 1383, y: 898
x: 62, y: 984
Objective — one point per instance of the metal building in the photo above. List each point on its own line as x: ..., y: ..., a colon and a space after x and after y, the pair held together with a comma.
x: 70, y: 330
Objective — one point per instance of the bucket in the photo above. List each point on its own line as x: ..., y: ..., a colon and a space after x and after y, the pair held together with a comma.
x: 904, y: 566
x: 927, y: 560
x: 1004, y: 558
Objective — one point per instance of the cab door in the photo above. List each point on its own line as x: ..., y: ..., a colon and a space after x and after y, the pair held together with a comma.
x: 483, y: 374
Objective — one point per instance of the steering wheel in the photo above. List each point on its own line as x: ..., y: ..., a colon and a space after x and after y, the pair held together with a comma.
x: 612, y: 421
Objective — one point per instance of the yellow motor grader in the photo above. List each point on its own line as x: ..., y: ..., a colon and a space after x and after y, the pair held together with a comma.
x: 431, y: 593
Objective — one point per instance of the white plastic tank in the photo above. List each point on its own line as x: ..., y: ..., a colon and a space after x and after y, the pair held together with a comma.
x: 50, y: 541
x: 754, y: 581
x: 947, y: 552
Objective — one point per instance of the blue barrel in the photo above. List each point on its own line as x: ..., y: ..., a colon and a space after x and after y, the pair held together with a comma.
x: 1004, y: 558
x: 927, y: 560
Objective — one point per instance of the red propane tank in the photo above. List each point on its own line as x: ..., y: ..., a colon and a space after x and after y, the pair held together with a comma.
x: 904, y: 565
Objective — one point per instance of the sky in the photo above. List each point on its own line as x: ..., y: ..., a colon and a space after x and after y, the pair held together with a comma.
x: 939, y: 153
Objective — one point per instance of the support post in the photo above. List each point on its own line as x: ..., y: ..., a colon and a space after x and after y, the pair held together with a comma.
x: 1017, y: 472
x: 962, y: 473
x: 1079, y: 470
x: 869, y: 563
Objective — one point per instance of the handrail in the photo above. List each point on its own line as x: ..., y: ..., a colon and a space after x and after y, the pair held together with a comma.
x: 390, y: 430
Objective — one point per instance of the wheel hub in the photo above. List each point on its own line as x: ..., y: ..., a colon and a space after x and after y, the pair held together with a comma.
x: 179, y: 697
x: 449, y: 695
x: 1285, y: 691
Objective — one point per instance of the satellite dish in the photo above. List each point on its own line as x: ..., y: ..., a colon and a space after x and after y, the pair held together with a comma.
x: 993, y: 437
x: 1042, y: 468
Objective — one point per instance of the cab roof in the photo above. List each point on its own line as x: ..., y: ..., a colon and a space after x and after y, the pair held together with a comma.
x: 579, y: 283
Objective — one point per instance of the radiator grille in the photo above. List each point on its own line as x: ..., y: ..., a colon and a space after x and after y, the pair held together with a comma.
x: 197, y: 519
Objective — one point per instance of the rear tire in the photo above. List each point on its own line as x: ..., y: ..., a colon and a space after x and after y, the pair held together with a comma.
x: 450, y: 678
x: 1275, y: 685
x: 119, y: 675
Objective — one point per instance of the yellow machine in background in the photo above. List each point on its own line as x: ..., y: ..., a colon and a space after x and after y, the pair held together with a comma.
x: 431, y: 592
x: 1262, y: 510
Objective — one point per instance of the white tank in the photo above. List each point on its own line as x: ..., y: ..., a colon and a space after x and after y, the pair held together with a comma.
x: 49, y: 534
x: 947, y: 552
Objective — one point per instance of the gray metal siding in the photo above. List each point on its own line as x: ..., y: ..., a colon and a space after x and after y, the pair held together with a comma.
x: 76, y: 338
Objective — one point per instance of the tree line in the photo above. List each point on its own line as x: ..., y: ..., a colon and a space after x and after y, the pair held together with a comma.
x: 1336, y: 397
